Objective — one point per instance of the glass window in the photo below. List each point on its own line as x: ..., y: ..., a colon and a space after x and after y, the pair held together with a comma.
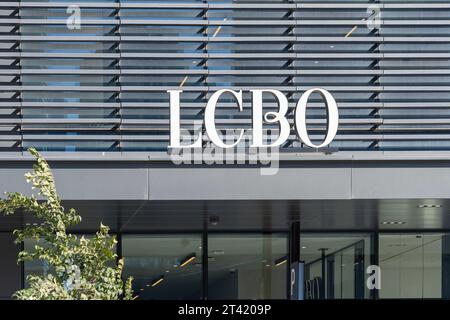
x: 34, y: 267
x: 413, y: 265
x: 246, y: 266
x: 164, y: 266
x: 40, y: 267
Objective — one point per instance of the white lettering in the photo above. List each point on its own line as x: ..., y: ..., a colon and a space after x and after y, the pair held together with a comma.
x: 279, y: 117
x: 175, y: 123
x: 257, y: 119
x: 332, y: 121
x: 210, y: 118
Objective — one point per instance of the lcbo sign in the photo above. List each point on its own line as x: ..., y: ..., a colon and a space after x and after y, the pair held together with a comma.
x: 278, y: 117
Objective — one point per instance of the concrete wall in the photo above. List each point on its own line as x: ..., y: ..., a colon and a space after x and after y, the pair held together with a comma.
x: 140, y: 180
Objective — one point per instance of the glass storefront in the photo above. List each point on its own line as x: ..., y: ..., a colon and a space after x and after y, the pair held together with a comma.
x: 255, y: 265
x: 37, y: 267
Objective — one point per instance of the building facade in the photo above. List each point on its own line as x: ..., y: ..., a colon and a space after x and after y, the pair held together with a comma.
x: 85, y: 82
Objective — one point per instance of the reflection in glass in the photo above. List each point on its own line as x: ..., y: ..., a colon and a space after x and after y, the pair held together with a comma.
x: 412, y: 265
x: 34, y: 267
x: 39, y: 267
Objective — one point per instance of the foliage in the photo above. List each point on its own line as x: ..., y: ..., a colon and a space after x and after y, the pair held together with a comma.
x: 83, y: 269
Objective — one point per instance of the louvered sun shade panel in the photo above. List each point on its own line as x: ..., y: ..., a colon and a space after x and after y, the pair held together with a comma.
x: 416, y: 79
x: 70, y: 94
x: 10, y: 133
x: 103, y: 87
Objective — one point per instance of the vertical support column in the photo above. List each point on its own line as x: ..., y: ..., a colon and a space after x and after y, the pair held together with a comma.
x: 446, y: 267
x: 359, y: 270
x: 205, y: 254
x: 374, y: 259
x: 330, y: 277
x: 119, y: 246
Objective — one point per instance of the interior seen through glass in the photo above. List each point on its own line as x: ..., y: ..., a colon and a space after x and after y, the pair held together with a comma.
x: 254, y: 266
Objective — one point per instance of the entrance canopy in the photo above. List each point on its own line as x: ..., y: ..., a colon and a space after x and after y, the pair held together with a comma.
x: 323, y: 192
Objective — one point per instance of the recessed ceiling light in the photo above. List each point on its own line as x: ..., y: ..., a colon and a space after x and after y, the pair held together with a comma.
x: 304, y: 247
x: 188, y: 259
x: 428, y: 206
x: 157, y: 281
x: 316, y: 62
x: 331, y: 47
